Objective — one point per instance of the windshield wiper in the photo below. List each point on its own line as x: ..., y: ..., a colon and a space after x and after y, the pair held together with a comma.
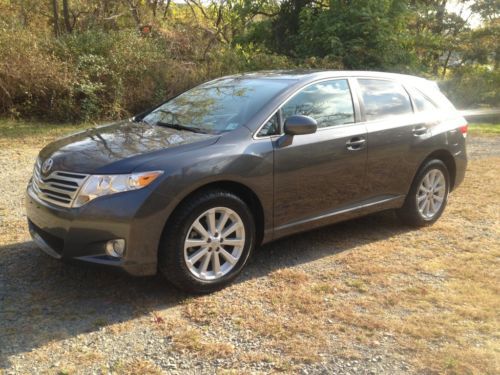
x: 180, y: 127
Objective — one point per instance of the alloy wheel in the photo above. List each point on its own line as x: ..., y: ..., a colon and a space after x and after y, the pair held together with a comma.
x: 431, y: 193
x: 214, y: 243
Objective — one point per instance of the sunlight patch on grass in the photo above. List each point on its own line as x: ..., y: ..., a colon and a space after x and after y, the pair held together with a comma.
x: 17, y: 130
x: 484, y: 129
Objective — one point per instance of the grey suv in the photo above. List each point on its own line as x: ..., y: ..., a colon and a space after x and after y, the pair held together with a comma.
x: 192, y: 186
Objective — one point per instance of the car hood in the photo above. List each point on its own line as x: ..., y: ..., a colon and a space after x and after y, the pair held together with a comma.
x: 118, y: 147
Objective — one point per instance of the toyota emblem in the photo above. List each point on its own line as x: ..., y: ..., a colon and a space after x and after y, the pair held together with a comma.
x: 47, y: 165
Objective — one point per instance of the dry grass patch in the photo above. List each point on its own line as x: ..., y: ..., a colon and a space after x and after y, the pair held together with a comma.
x: 189, y: 338
x: 136, y: 366
x: 434, y: 291
x: 428, y: 297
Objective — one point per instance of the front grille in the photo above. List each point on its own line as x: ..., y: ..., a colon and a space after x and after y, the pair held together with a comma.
x: 59, y: 188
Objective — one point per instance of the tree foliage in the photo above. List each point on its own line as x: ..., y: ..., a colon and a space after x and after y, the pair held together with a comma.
x: 94, y: 59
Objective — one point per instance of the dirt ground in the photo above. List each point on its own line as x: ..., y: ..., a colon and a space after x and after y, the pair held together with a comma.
x: 367, y: 296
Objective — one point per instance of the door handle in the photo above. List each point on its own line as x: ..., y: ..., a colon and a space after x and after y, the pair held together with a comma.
x: 356, y: 143
x: 420, y: 130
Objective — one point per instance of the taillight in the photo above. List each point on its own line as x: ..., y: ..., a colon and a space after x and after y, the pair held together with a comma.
x: 463, y: 130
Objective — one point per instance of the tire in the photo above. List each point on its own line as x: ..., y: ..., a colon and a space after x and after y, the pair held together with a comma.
x: 187, y: 253
x: 413, y: 212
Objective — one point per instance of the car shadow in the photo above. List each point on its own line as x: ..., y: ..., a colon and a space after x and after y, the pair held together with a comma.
x: 43, y: 300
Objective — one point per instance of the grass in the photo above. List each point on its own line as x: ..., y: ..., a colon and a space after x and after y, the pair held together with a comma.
x: 428, y: 298
x: 484, y: 129
x: 20, y: 130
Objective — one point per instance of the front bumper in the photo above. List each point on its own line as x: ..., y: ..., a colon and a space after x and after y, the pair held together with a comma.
x: 81, y: 234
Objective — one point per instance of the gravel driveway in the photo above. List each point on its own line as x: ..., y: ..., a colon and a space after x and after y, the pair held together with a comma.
x: 357, y: 297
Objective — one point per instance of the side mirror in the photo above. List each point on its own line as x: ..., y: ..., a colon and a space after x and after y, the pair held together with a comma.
x: 299, y: 124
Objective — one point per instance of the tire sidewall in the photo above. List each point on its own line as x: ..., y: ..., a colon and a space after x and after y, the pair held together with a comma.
x: 175, y: 265
x: 432, y: 164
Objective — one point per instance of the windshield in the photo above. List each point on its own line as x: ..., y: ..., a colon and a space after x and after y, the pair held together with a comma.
x: 217, y: 106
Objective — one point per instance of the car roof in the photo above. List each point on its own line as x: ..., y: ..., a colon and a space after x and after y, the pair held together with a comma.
x: 307, y: 75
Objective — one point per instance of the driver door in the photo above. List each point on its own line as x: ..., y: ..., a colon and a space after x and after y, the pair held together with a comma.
x: 318, y: 175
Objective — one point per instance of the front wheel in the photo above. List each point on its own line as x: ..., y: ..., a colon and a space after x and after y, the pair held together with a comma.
x: 208, y: 242
x: 428, y: 195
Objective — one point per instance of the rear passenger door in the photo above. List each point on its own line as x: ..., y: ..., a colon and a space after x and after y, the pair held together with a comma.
x: 394, y: 136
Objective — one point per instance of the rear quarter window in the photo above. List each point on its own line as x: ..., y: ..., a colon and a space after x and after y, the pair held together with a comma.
x: 422, y: 102
x: 383, y: 99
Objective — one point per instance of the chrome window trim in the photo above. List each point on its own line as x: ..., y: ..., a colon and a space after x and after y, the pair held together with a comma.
x: 355, y: 106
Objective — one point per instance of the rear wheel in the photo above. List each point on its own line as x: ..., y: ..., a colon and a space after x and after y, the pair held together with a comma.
x: 208, y: 242
x: 428, y: 195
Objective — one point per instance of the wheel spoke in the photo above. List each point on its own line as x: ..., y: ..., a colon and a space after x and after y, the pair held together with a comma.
x: 432, y: 209
x: 432, y: 178
x: 197, y: 255
x: 215, y: 262
x: 232, y: 260
x: 438, y: 198
x: 421, y: 204
x: 211, y: 221
x: 426, y: 182
x: 205, y: 263
x: 230, y: 230
x: 439, y: 189
x: 426, y: 208
x: 234, y: 242
x: 222, y: 221
x: 200, y: 229
x: 423, y: 189
x: 194, y: 243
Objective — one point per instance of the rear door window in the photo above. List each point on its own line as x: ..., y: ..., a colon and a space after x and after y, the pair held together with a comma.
x: 383, y: 99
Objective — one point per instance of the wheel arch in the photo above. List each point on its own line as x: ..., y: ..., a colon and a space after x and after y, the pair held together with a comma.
x: 237, y: 188
x: 447, y: 158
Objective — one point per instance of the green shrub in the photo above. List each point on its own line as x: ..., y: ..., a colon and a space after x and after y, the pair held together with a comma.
x: 33, y: 82
x: 95, y: 75
x: 471, y: 86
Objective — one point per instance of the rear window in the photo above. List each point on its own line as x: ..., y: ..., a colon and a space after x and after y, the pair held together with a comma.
x: 383, y: 99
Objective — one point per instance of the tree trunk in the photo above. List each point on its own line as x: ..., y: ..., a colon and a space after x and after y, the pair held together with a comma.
x: 135, y: 12
x: 55, y: 16
x: 166, y: 9
x: 438, y: 30
x: 445, y: 67
x: 67, y: 22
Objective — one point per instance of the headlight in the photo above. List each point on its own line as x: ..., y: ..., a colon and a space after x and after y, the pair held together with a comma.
x: 98, y: 185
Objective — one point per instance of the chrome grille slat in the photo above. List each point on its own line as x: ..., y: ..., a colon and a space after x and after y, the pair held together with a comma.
x: 59, y: 187
x: 56, y: 176
x: 58, y: 192
x: 65, y: 188
x: 57, y: 197
x: 71, y: 175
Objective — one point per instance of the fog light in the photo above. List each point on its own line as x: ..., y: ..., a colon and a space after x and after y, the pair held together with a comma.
x: 115, y: 248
